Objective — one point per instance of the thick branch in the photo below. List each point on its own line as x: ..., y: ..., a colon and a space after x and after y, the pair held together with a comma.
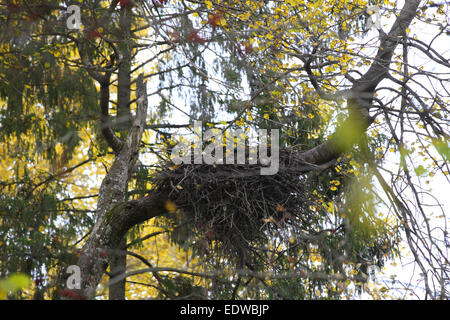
x: 351, y: 130
x: 380, y: 67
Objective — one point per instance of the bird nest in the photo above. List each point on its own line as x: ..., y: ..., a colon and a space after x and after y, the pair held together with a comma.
x: 233, y: 205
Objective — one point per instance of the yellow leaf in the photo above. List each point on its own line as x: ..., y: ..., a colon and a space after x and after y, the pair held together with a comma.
x: 221, y: 22
x: 170, y: 206
x: 270, y: 219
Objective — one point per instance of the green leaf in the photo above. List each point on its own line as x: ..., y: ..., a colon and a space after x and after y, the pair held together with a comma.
x: 442, y: 147
x: 15, y: 282
x: 404, y: 152
x: 420, y: 170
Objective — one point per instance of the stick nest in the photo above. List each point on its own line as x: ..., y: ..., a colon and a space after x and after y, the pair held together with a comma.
x: 233, y: 205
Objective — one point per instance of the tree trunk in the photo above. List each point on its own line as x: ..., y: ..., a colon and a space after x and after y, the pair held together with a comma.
x: 117, y: 268
x: 108, y: 233
x: 123, y: 123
